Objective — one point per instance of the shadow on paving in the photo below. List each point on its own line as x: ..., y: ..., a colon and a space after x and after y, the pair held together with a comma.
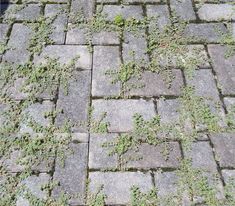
x: 3, y: 6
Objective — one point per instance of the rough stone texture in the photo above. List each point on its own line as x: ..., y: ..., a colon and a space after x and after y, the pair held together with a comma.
x: 224, y: 149
x: 104, y: 59
x: 59, y: 24
x: 143, y: 1
x: 168, y: 110
x: 229, y: 103
x: 229, y: 176
x: 19, y: 40
x: 37, y: 113
x: 134, y: 44
x: 105, y: 38
x: 3, y: 32
x: 162, y: 12
x: 216, y: 12
x: 209, y: 32
x: 152, y: 157
x: 75, y: 104
x: 166, y: 183
x: 84, y: 6
x: 233, y: 30
x: 72, y: 177
x: 131, y: 11
x: 34, y: 184
x: 30, y: 12
x: 202, y: 156
x: 203, y: 159
x: 156, y: 86
x: 66, y: 53
x: 99, y: 157
x: 120, y: 112
x: 224, y: 68
x: 75, y: 35
x: 204, y: 83
x: 117, y: 184
x: 183, y: 9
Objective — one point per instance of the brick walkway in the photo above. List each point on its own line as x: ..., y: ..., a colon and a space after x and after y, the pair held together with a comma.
x: 213, y: 152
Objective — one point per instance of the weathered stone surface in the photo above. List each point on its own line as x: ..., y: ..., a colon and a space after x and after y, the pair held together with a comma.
x: 183, y: 9
x: 3, y: 32
x: 143, y: 1
x: 224, y: 68
x: 34, y: 184
x: 134, y: 46
x: 160, y: 11
x: 117, y: 185
x: 75, y: 105
x: 156, y: 86
x: 65, y: 54
x: 75, y: 35
x: 203, y: 159
x: 229, y: 177
x: 209, y: 32
x: 105, y: 38
x: 166, y: 183
x: 37, y: 113
x: 152, y: 157
x: 168, y: 110
x: 107, y: 1
x: 19, y: 41
x: 104, y: 59
x: 216, y: 12
x: 59, y: 24
x: 72, y: 177
x: 224, y: 149
x: 120, y: 112
x: 99, y: 157
x: 204, y: 83
x: 229, y: 103
x: 131, y: 11
x: 85, y: 6
x: 202, y: 156
x: 233, y: 30
x: 30, y: 12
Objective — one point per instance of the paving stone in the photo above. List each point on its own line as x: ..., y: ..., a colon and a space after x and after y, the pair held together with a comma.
x: 229, y: 178
x: 216, y: 12
x: 105, y: 38
x: 107, y: 1
x: 166, y: 183
x: 156, y: 86
x: 131, y: 11
x: 224, y: 149
x: 66, y: 53
x: 143, y: 1
x: 30, y: 12
x: 224, y: 68
x: 105, y: 58
x: 117, y: 185
x: 3, y: 32
x: 168, y: 110
x: 72, y: 176
x: 46, y: 1
x: 233, y: 30
x: 75, y: 35
x: 99, y: 157
x: 162, y: 14
x: 34, y: 184
x: 203, y: 159
x: 152, y: 157
x: 120, y: 112
x: 204, y: 83
x: 202, y: 156
x: 76, y: 137
x: 37, y: 113
x: 75, y: 105
x: 209, y: 32
x: 59, y: 24
x: 136, y: 45
x: 84, y: 6
x: 19, y: 41
x: 229, y: 103
x: 183, y: 9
